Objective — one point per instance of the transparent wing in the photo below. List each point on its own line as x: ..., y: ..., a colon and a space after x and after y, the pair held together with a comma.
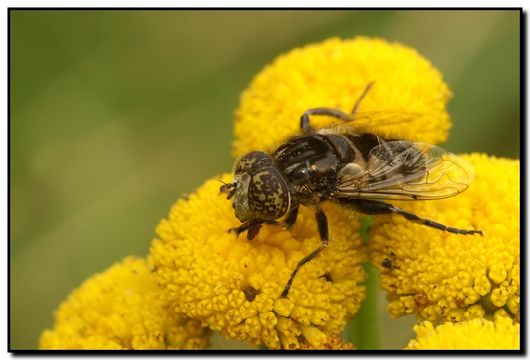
x: 404, y: 170
x: 363, y: 121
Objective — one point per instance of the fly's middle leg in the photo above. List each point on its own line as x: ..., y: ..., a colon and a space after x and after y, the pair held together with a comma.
x: 322, y: 224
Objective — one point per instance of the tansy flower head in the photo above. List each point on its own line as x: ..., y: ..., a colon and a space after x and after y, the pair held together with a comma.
x: 334, y: 74
x: 233, y: 285
x: 443, y: 276
x: 477, y: 334
x: 119, y: 309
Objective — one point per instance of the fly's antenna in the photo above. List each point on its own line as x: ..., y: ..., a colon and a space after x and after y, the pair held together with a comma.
x: 227, y: 188
x: 221, y: 181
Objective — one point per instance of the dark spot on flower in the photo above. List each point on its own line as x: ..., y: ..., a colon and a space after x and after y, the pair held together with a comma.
x: 460, y: 303
x: 387, y: 263
x: 250, y: 293
x: 487, y: 304
x: 326, y: 276
x: 421, y: 299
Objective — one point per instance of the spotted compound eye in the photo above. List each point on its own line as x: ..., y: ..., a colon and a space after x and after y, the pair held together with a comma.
x: 268, y: 194
x: 252, y: 161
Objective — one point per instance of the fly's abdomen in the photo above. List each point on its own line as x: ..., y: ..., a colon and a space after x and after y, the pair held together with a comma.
x: 381, y: 159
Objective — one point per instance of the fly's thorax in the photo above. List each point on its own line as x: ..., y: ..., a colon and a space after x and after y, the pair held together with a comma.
x: 261, y: 191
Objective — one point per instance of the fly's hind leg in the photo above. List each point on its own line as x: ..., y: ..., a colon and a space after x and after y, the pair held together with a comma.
x: 337, y: 114
x: 322, y: 224
x: 373, y: 207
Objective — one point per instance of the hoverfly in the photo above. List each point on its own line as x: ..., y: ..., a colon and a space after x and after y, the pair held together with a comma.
x: 354, y: 169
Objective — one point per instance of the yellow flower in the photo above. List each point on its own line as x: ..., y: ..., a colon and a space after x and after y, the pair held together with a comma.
x: 443, y: 276
x: 119, y: 309
x: 474, y: 334
x: 233, y: 285
x: 331, y: 344
x: 334, y: 74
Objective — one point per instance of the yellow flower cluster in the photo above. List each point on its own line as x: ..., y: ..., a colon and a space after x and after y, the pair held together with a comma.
x: 233, y: 285
x: 447, y: 277
x: 200, y: 275
x: 119, y: 309
x: 334, y: 74
x: 477, y: 334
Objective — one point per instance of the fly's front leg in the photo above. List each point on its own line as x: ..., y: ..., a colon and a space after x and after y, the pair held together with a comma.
x: 373, y: 207
x: 358, y: 102
x: 322, y: 223
x: 304, y: 120
x: 337, y: 114
x: 253, y: 227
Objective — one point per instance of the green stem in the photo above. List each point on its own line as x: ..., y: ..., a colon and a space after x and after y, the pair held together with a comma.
x: 363, y: 329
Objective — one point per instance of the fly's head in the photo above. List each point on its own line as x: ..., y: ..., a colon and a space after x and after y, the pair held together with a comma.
x: 259, y: 190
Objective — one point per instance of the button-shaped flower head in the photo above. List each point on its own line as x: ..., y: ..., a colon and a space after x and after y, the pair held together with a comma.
x: 119, y: 309
x: 334, y: 74
x: 443, y: 276
x: 233, y: 285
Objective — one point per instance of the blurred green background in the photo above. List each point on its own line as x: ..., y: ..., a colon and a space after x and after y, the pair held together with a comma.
x: 116, y: 114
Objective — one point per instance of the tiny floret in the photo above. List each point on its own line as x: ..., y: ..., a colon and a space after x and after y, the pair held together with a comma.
x: 329, y: 344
